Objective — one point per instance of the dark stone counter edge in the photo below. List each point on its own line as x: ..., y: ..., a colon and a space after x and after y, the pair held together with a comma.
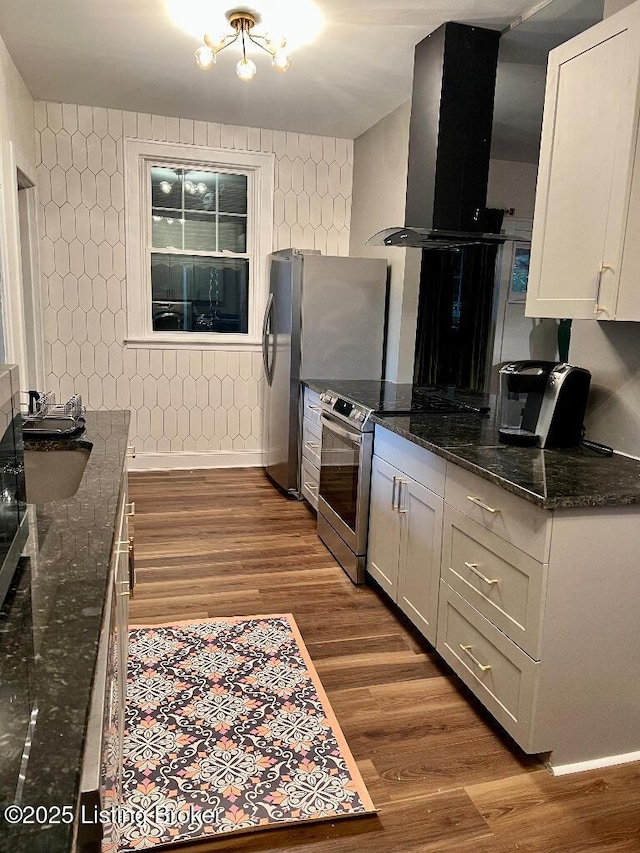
x: 560, y: 502
x: 449, y: 454
x: 40, y: 837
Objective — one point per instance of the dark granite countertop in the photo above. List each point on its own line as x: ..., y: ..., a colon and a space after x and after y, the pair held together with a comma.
x: 49, y: 634
x: 552, y: 479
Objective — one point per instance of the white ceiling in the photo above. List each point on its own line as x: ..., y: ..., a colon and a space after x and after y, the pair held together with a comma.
x: 128, y: 54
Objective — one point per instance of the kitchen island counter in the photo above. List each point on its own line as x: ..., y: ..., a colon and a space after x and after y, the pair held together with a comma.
x: 551, y: 479
x: 50, y: 627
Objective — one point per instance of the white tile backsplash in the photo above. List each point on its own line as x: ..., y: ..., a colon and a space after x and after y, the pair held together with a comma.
x: 181, y: 400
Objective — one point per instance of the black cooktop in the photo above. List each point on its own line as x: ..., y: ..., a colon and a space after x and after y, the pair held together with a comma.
x: 429, y: 400
x: 388, y: 398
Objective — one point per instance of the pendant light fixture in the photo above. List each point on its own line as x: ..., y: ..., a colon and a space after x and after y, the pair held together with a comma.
x: 243, y: 22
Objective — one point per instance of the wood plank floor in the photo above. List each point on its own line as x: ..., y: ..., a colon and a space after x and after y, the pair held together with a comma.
x: 441, y: 773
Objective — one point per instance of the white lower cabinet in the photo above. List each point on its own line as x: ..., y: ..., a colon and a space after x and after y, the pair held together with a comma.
x: 405, y: 535
x: 500, y: 674
x: 311, y: 439
x: 535, y: 610
x: 310, y: 482
x: 102, y: 774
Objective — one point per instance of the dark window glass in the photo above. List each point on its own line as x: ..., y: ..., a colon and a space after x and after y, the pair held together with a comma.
x: 199, y: 211
x: 191, y: 293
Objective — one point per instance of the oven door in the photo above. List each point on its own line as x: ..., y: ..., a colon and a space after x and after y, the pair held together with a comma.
x: 345, y: 473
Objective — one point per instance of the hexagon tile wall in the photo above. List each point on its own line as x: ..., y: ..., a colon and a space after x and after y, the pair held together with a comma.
x: 183, y: 402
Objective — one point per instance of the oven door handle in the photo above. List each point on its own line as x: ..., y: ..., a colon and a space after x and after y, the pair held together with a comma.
x: 355, y: 437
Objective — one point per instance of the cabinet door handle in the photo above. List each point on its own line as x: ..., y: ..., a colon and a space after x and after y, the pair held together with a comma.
x: 483, y: 667
x: 312, y: 446
x: 482, y: 505
x: 393, y: 493
x: 402, y: 506
x: 473, y: 567
x: 597, y: 308
x: 315, y: 408
x: 131, y: 508
x: 313, y: 487
x: 131, y: 451
x: 126, y: 592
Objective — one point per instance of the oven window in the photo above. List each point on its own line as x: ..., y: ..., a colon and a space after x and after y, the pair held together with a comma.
x: 339, y: 474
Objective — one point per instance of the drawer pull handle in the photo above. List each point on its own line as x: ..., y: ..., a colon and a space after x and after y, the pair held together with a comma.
x: 473, y: 567
x: 314, y: 408
x: 597, y: 309
x: 313, y: 487
x: 482, y: 505
x: 131, y: 508
x: 402, y: 506
x: 312, y: 446
x: 483, y: 667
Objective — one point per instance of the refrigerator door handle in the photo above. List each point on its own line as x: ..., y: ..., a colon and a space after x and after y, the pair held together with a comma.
x: 266, y: 329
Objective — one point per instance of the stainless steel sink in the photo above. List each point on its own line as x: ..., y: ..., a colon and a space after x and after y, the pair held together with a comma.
x: 53, y: 475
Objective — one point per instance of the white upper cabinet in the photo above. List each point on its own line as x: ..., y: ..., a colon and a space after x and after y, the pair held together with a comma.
x: 588, y: 194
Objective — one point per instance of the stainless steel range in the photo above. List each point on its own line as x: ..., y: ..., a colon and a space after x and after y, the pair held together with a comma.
x: 345, y: 475
x: 347, y: 448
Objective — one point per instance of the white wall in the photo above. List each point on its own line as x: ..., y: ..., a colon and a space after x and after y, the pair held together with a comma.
x: 379, y: 192
x: 197, y: 407
x: 512, y: 185
x: 16, y: 150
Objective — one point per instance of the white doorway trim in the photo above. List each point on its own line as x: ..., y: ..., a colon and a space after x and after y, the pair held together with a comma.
x: 31, y: 364
x: 31, y: 286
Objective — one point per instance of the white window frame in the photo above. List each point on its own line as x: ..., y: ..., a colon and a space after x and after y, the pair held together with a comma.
x: 139, y: 156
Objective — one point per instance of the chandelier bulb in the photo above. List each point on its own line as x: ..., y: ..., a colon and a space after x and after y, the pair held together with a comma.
x: 282, y: 60
x: 205, y: 58
x: 246, y: 69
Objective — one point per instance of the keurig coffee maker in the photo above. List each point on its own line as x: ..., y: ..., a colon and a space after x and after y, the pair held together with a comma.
x: 542, y: 403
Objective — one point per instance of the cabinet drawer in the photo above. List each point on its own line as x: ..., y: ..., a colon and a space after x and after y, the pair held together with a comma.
x: 514, y: 519
x: 420, y: 464
x: 310, y: 482
x: 499, y: 580
x: 312, y: 406
x: 311, y: 441
x: 500, y: 674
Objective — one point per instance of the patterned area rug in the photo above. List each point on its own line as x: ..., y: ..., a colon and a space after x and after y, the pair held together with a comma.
x: 228, y: 730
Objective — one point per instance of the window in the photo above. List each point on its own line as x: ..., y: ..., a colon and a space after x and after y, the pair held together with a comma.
x: 519, y: 273
x: 198, y: 235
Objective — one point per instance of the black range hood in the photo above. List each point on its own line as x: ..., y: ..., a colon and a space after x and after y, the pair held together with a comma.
x: 449, y: 143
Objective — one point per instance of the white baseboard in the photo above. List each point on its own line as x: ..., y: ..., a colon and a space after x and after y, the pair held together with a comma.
x: 593, y: 764
x: 180, y: 460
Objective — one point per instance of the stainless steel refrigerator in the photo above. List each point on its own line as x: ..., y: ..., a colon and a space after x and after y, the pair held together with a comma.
x: 324, y: 319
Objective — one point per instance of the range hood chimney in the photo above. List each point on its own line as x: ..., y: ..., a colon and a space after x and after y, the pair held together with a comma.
x: 449, y: 142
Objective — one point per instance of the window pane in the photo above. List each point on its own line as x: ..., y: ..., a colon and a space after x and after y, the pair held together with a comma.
x: 232, y: 234
x: 200, y: 190
x: 191, y: 210
x: 200, y: 232
x: 232, y: 191
x: 166, y: 187
x: 166, y: 231
x: 195, y: 294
